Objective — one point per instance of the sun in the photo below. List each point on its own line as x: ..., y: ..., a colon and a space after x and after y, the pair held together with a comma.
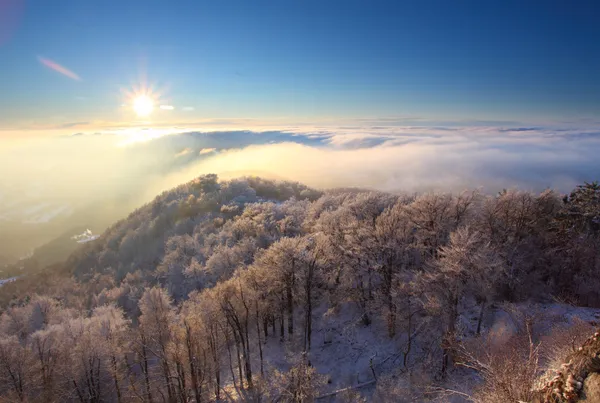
x: 142, y: 98
x: 143, y: 105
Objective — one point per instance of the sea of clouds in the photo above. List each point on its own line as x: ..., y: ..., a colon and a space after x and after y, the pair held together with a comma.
x: 84, y: 167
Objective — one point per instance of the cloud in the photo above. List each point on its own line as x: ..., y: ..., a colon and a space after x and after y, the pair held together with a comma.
x: 58, y: 68
x: 73, y: 124
x: 167, y: 107
x: 407, y: 158
x: 188, y: 108
x: 183, y: 152
x: 81, y: 169
x: 207, y: 151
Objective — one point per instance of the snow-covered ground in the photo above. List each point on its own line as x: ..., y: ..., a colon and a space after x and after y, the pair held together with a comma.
x: 84, y: 237
x: 7, y: 280
x: 349, y: 352
x: 342, y: 347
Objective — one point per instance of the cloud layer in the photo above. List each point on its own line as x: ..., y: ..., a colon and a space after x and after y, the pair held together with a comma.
x: 86, y: 168
x: 412, y: 158
x: 92, y: 180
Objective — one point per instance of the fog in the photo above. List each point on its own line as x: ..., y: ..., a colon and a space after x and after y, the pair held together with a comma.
x: 106, y: 175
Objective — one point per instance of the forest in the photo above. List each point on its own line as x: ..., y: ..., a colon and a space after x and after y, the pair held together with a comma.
x: 255, y: 290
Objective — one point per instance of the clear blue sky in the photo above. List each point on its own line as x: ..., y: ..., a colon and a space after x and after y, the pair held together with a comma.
x: 302, y: 59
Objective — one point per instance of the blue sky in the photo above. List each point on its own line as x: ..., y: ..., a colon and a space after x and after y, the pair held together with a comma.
x: 300, y: 60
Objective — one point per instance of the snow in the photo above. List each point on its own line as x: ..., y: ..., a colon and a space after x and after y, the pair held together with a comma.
x: 8, y: 280
x: 343, y: 348
x: 85, y: 237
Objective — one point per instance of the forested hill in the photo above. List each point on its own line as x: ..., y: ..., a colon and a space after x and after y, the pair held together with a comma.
x: 255, y: 290
x: 200, y: 232
x: 193, y: 222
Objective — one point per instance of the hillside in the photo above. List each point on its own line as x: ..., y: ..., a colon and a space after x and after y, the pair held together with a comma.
x: 258, y: 290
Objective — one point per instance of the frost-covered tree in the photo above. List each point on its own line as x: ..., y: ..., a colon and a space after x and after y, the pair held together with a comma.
x: 301, y: 384
x: 464, y: 267
x: 113, y: 332
x: 156, y: 335
x: 15, y: 374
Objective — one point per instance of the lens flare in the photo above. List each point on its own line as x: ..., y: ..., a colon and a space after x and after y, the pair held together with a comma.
x: 58, y: 68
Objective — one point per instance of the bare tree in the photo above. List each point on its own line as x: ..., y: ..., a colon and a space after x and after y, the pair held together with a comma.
x: 14, y: 364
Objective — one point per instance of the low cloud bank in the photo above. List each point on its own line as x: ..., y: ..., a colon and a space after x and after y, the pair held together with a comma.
x: 87, y: 168
x: 414, y: 158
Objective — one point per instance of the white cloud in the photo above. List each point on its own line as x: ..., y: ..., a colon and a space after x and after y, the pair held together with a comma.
x: 417, y: 158
x: 78, y: 170
x: 183, y: 152
x: 167, y: 107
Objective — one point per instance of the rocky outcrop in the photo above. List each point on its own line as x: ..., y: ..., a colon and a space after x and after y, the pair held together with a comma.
x: 591, y: 389
x: 578, y: 379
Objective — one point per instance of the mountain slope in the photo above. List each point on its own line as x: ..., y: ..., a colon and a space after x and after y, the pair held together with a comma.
x: 200, y: 206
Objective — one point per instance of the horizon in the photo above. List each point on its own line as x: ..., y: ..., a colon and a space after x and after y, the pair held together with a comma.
x: 82, y: 66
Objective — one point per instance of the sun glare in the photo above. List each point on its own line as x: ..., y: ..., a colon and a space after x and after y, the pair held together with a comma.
x: 143, y: 99
x: 143, y: 105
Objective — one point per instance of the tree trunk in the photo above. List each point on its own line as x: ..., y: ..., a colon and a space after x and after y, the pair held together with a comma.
x: 213, y: 343
x: 239, y: 360
x: 79, y: 394
x: 480, y: 318
x: 116, y: 378
x: 281, y: 326
x: 231, y: 363
x: 387, y: 279
x: 168, y: 381
x: 308, y: 318
x: 370, y: 283
x: 192, y: 364
x: 409, y: 334
x: 262, y: 373
x: 266, y: 326
x: 181, y: 384
x: 246, y: 347
x: 450, y: 334
x: 290, y: 310
x: 145, y: 369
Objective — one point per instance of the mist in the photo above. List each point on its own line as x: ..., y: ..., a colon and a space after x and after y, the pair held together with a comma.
x: 50, y: 185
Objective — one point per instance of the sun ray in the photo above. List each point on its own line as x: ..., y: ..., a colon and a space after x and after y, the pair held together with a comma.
x: 142, y: 99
